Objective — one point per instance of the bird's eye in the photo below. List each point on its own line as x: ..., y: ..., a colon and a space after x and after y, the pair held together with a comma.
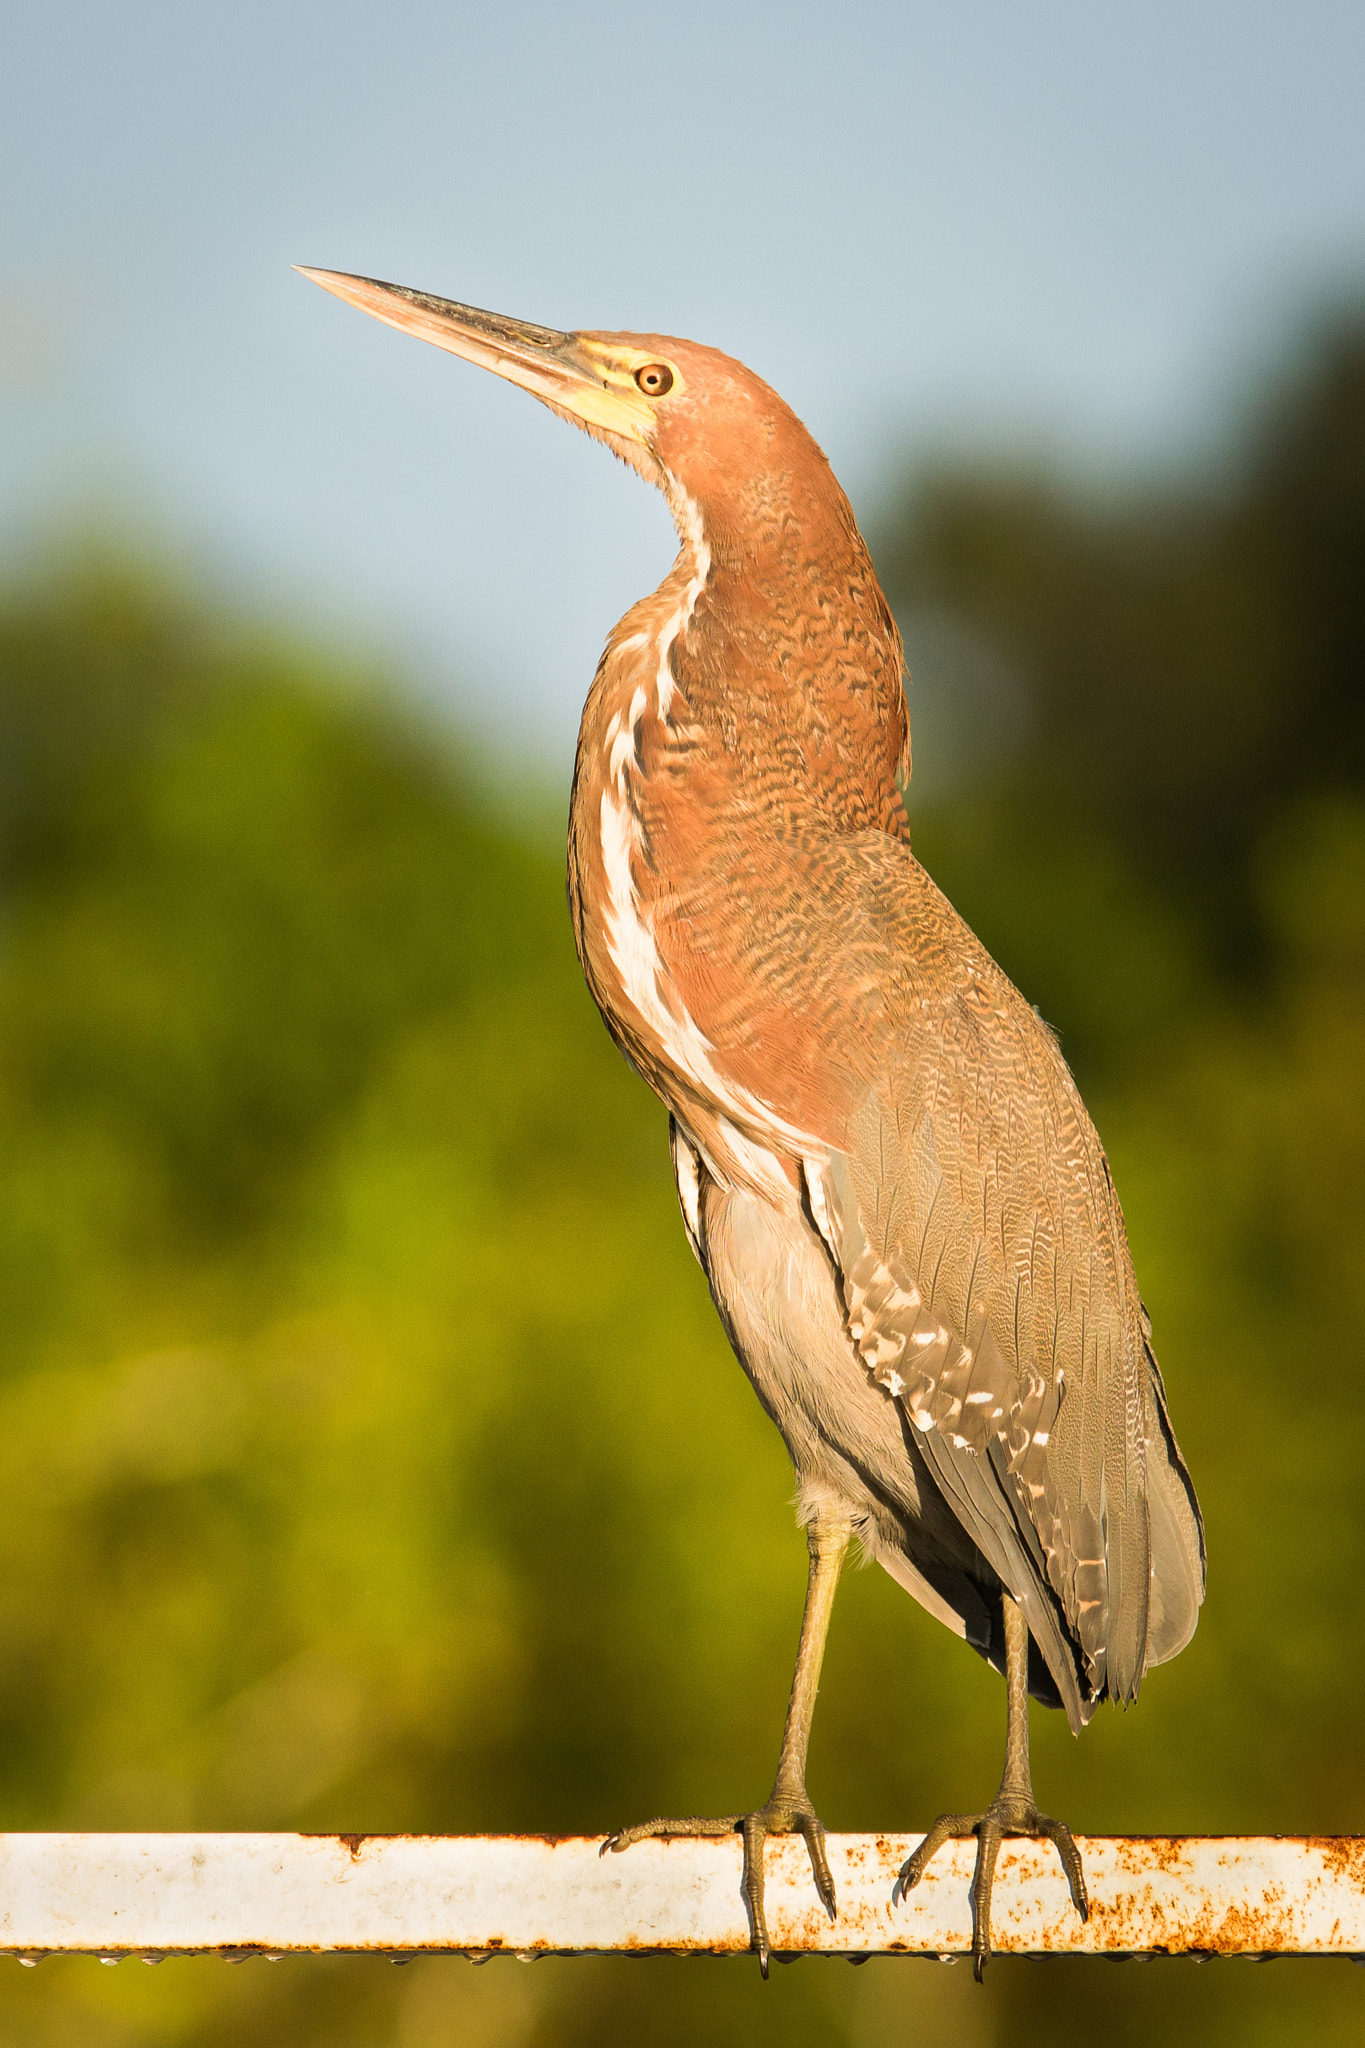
x: 654, y: 379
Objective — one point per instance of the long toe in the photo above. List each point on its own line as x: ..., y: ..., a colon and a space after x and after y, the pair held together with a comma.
x: 655, y: 1830
x: 812, y: 1830
x: 784, y: 1814
x: 949, y: 1827
x: 755, y: 1835
x: 989, y: 1828
x: 1004, y: 1817
x: 1057, y: 1831
x: 988, y: 1839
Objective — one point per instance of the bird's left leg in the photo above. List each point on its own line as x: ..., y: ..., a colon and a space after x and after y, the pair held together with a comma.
x: 1011, y: 1812
x: 788, y: 1810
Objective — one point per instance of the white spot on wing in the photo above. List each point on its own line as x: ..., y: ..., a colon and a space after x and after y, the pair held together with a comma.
x: 899, y: 1298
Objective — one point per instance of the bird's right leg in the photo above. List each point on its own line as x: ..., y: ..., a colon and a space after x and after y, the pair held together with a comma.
x: 788, y: 1809
x: 1013, y: 1811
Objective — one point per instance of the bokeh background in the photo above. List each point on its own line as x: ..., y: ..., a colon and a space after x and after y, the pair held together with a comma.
x: 372, y: 1458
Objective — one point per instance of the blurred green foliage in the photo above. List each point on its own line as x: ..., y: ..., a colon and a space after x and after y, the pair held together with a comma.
x: 371, y: 1457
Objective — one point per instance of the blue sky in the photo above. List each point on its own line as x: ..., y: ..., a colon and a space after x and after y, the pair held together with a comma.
x: 972, y: 220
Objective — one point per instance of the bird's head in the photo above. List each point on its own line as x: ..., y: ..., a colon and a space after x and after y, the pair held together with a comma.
x: 690, y: 419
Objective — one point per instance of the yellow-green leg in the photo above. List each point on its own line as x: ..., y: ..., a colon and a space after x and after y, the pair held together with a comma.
x: 1011, y: 1812
x: 788, y: 1810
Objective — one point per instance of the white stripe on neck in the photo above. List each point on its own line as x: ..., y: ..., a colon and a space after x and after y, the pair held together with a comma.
x: 687, y: 517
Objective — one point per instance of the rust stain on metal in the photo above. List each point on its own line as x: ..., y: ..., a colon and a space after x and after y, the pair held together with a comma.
x: 1344, y: 1856
x: 1143, y: 1853
x: 532, y: 1895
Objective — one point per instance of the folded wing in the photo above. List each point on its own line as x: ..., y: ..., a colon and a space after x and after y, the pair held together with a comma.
x: 988, y: 1287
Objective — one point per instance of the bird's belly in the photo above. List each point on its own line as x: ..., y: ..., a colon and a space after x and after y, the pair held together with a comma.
x: 781, y: 1305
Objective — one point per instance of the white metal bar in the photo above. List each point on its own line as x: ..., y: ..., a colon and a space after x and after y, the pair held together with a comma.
x: 535, y: 1895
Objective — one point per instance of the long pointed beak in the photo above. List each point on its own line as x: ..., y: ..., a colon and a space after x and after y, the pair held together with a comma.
x: 556, y: 367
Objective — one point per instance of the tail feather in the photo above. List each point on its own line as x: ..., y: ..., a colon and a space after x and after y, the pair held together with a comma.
x: 1179, y: 1561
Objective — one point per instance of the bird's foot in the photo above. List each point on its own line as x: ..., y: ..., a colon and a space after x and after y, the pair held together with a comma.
x: 786, y: 1813
x: 1006, y: 1815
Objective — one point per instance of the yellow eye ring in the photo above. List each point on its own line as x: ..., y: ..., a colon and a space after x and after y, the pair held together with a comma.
x: 654, y: 379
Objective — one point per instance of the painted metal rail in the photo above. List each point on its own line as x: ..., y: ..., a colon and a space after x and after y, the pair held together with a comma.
x: 402, y: 1895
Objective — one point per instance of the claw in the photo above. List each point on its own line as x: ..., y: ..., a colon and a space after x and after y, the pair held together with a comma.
x: 783, y: 1815
x: 652, y: 1830
x: 1005, y: 1817
x: 1060, y: 1835
x: 813, y: 1834
x: 949, y: 1827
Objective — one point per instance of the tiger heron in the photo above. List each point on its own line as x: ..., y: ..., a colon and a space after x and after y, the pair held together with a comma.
x: 907, y: 1221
